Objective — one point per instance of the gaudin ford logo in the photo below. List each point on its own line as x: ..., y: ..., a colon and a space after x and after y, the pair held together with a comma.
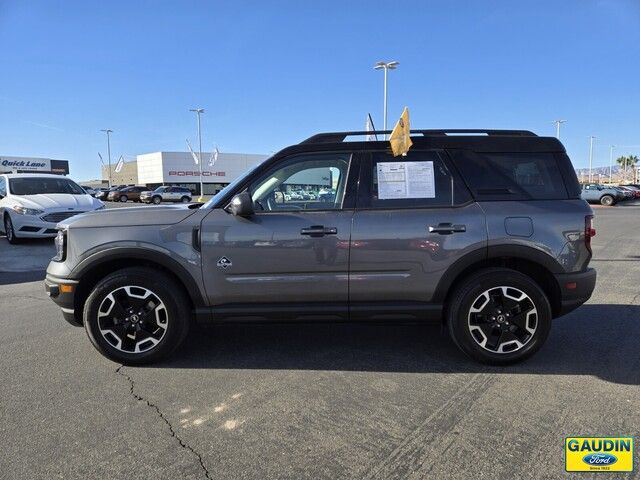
x: 594, y: 454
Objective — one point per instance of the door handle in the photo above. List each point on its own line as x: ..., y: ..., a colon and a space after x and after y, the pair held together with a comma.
x: 447, y: 228
x: 318, y: 231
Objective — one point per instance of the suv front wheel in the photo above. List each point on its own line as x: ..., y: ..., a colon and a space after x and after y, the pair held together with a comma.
x: 136, y: 316
x: 499, y: 316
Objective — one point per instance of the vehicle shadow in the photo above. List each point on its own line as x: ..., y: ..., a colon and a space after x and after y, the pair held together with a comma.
x: 596, y: 339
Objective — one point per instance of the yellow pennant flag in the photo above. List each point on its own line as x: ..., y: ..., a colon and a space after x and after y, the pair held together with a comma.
x: 400, y: 138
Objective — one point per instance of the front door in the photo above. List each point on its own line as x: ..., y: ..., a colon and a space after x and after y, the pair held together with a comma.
x: 290, y: 259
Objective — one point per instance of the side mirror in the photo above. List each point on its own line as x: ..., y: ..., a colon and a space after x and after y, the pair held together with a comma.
x: 241, y: 205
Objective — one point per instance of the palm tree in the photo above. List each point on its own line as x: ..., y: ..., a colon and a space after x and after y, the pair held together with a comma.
x: 627, y: 161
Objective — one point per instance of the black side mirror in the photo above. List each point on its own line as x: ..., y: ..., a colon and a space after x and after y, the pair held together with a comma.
x: 241, y: 205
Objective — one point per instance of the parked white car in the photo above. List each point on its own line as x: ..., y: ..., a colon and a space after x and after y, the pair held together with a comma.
x: 31, y: 205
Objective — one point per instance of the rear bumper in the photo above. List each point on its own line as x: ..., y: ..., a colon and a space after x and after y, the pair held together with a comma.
x: 63, y: 297
x: 575, y: 289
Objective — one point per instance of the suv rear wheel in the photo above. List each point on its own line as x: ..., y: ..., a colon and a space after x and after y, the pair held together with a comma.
x: 185, y: 199
x: 136, y: 316
x: 499, y: 316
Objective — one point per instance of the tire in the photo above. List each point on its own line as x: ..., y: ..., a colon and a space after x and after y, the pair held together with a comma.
x: 123, y: 198
x: 9, y: 231
x: 156, y: 200
x: 128, y: 339
x: 185, y: 199
x: 482, y: 312
x: 607, y: 200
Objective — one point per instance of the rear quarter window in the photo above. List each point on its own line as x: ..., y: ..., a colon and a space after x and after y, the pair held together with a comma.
x: 512, y: 176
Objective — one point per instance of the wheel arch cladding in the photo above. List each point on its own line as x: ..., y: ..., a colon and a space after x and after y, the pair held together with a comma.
x: 525, y: 260
x: 96, y: 267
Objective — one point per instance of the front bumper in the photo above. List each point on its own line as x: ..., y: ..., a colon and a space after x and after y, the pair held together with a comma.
x: 62, y: 292
x: 32, y: 226
x: 575, y: 289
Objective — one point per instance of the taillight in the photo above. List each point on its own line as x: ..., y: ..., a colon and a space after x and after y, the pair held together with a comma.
x: 589, y: 230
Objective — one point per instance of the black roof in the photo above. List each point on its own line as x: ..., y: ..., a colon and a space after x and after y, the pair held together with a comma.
x: 481, y: 140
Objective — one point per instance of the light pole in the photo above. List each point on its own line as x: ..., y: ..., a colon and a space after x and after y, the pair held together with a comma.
x: 590, y: 156
x: 198, y: 112
x: 611, y: 163
x: 386, y: 66
x: 558, y: 123
x: 108, y: 131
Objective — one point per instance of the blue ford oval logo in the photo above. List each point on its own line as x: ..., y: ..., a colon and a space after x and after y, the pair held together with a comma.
x: 599, y: 459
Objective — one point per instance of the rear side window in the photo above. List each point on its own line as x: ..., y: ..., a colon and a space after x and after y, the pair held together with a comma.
x: 421, y: 179
x: 511, y: 176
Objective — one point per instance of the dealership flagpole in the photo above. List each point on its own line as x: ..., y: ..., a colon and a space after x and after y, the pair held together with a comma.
x: 199, y: 111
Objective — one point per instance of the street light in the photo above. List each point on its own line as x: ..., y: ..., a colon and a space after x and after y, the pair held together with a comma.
x: 386, y: 66
x: 199, y: 111
x: 558, y: 123
x: 591, y: 137
x: 611, y: 162
x: 108, y: 131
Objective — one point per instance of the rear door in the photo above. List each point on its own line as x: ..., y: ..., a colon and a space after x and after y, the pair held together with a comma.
x: 414, y: 218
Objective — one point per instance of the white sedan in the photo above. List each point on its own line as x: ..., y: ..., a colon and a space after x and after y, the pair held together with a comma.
x: 31, y: 204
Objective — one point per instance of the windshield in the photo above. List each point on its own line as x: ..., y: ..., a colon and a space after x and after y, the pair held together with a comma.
x: 212, y: 203
x: 38, y: 185
x: 160, y: 189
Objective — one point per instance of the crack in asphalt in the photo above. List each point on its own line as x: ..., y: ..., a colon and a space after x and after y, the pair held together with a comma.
x: 153, y: 406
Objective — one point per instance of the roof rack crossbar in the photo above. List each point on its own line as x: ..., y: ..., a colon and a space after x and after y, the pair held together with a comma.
x: 338, y: 137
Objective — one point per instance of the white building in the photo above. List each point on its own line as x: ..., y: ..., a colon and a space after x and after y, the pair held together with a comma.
x: 178, y: 168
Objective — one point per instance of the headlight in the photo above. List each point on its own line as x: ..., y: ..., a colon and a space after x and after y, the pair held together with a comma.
x: 61, y: 246
x: 26, y: 211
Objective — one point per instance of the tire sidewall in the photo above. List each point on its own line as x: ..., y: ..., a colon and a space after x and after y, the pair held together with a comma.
x: 124, y: 199
x: 607, y: 200
x: 9, y: 230
x: 156, y: 200
x: 469, y: 291
x: 161, y: 286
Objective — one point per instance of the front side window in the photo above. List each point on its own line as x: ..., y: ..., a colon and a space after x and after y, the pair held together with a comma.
x: 304, y: 182
x: 43, y: 185
x: 420, y: 179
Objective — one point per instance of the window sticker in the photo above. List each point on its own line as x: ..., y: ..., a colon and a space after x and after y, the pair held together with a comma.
x: 405, y: 180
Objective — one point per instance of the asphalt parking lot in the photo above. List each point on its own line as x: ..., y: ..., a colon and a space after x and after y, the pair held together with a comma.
x: 316, y: 401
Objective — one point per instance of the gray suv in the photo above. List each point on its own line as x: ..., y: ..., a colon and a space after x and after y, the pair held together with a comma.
x: 166, y: 194
x: 483, y: 231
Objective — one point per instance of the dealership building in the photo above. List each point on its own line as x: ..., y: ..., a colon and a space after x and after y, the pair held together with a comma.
x: 179, y: 169
x: 33, y: 165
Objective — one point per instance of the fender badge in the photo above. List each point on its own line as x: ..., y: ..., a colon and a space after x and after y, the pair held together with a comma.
x: 224, y: 262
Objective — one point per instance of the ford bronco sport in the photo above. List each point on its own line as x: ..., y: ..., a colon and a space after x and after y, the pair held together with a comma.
x: 483, y: 230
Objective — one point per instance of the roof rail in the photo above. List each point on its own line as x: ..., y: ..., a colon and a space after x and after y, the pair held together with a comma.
x: 338, y: 137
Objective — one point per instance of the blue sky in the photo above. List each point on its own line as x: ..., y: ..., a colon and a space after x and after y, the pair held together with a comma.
x: 272, y: 73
